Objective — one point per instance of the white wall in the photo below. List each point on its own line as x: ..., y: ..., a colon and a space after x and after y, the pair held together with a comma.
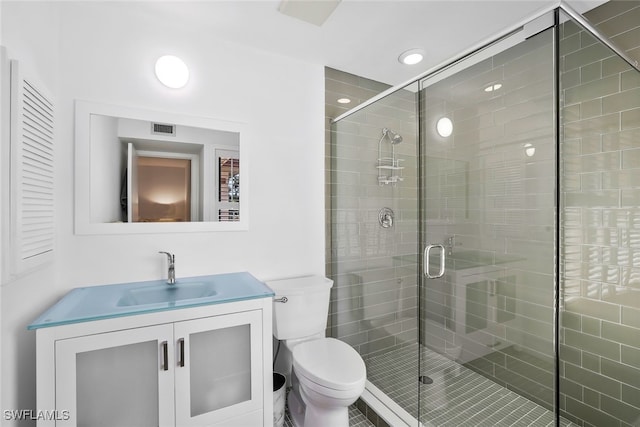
x: 23, y: 297
x: 105, y: 52
x: 107, y: 163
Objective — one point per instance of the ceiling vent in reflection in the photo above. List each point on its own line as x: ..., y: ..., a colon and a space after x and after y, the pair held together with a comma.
x: 163, y: 129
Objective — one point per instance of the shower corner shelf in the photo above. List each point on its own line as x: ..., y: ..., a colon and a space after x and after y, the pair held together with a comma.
x: 389, y: 179
x: 389, y: 164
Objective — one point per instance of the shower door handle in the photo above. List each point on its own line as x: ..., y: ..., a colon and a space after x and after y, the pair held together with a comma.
x: 425, y: 261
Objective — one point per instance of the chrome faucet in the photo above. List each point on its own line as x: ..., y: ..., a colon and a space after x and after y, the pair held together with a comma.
x: 171, y: 259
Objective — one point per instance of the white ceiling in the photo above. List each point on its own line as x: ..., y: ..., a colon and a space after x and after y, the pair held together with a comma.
x: 364, y: 37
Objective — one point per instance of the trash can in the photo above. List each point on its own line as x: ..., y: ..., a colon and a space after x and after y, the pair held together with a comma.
x: 279, y: 397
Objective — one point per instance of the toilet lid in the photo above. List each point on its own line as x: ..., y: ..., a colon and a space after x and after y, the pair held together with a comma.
x: 330, y: 363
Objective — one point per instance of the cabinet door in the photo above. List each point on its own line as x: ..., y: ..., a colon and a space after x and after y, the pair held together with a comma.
x: 122, y: 378
x: 219, y: 369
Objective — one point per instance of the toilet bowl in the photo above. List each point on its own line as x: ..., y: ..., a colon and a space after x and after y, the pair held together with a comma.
x: 327, y: 375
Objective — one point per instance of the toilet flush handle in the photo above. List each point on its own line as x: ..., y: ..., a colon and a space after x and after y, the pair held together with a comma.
x: 282, y: 300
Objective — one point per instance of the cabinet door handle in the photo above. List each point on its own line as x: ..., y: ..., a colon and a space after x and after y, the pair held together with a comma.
x: 181, y: 352
x: 165, y: 355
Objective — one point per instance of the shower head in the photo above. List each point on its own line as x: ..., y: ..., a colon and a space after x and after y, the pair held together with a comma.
x: 394, y: 137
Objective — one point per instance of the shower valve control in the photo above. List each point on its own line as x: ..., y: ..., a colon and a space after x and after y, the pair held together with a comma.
x: 385, y: 218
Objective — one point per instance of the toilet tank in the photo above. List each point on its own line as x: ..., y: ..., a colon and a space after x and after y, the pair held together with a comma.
x: 306, y: 310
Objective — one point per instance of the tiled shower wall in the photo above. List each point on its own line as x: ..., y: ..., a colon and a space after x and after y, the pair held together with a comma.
x: 374, y: 298
x: 600, y: 319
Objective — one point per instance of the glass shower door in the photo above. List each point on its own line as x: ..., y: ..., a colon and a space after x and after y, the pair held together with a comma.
x: 374, y: 241
x: 487, y: 225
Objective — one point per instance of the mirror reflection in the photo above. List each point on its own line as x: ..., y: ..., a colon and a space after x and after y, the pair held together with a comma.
x: 136, y: 168
x: 161, y: 172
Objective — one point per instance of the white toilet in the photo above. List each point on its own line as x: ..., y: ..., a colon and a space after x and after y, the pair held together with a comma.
x: 327, y: 375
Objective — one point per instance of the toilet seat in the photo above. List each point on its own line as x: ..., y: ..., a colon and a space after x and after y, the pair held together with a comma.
x: 330, y: 363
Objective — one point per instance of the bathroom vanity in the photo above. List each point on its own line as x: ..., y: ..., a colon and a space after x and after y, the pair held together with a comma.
x: 146, y: 353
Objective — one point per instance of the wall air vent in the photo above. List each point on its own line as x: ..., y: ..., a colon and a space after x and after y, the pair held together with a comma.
x: 163, y: 129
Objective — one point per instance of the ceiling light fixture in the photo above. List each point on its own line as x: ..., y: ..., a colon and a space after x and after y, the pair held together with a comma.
x: 172, y: 71
x: 444, y: 126
x: 493, y: 87
x: 344, y: 100
x: 411, y: 56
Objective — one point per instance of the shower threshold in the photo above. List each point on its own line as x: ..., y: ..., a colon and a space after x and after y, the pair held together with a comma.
x: 458, y: 396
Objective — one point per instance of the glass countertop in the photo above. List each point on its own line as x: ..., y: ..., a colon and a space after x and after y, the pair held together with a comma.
x: 127, y: 299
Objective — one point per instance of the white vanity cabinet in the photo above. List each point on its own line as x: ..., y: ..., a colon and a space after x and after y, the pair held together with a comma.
x: 219, y: 374
x: 207, y: 365
x: 115, y: 377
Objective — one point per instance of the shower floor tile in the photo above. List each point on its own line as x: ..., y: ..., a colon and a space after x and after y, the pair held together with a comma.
x: 457, y: 397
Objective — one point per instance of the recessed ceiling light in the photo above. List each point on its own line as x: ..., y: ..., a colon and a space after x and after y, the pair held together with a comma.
x: 344, y: 101
x: 493, y: 87
x: 411, y: 56
x: 172, y: 71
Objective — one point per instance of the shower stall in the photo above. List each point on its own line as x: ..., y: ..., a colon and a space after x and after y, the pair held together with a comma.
x: 485, y: 234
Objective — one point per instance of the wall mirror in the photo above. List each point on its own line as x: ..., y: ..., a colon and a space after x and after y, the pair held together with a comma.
x: 141, y: 171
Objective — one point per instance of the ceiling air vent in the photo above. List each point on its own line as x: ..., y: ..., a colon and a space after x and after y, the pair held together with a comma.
x: 163, y: 129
